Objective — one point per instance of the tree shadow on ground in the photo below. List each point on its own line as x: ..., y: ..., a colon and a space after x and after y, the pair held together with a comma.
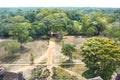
x: 23, y: 50
x: 88, y: 74
x: 67, y: 64
x: 9, y: 59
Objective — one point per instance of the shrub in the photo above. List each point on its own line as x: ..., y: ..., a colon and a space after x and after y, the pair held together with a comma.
x: 91, y: 31
x: 39, y: 73
x: 68, y: 49
x: 10, y: 47
x: 32, y: 58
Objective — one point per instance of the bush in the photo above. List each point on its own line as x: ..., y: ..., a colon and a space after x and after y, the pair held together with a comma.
x: 39, y: 73
x: 91, y: 31
x: 32, y: 58
x: 10, y: 47
x: 68, y: 49
x: 44, y: 37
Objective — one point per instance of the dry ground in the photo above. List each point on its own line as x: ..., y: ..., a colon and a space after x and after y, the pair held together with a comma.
x: 39, y: 48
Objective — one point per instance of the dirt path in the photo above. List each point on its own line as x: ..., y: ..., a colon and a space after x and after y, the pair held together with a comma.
x: 50, y: 53
x: 36, y: 61
x: 47, y: 55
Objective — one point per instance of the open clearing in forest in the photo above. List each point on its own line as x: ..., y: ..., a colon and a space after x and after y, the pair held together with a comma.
x: 44, y: 52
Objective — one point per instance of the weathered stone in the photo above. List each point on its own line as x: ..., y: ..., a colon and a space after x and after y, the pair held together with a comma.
x: 96, y: 78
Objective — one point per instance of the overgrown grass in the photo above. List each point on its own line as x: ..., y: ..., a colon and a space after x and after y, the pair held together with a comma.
x: 60, y: 74
x: 78, y: 69
x: 9, y: 48
x: 77, y: 55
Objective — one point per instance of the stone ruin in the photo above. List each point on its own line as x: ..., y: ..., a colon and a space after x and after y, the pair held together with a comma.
x: 10, y: 75
x: 96, y: 78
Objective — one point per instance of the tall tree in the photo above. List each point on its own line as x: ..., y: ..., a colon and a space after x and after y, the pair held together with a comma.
x: 38, y: 29
x: 73, y: 14
x: 30, y: 15
x: 20, y: 31
x: 101, y: 56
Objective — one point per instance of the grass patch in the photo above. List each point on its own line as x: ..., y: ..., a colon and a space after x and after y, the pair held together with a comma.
x: 78, y: 69
x: 59, y: 74
x: 76, y: 55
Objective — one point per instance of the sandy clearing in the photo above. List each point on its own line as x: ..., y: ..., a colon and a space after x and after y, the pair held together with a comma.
x: 47, y: 56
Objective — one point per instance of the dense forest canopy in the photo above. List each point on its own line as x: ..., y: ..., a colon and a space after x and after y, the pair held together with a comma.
x: 24, y: 24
